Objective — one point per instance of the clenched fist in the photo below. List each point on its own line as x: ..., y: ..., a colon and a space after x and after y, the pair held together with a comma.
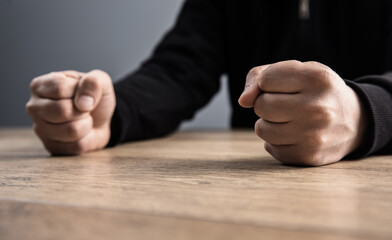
x: 308, y: 115
x: 72, y: 110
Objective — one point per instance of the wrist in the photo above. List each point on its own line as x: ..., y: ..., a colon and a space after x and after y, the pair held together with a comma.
x: 359, y: 122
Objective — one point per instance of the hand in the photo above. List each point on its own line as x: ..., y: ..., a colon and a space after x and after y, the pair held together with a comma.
x: 308, y: 115
x: 72, y: 110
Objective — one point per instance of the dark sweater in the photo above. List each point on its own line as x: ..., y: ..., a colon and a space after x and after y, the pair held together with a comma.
x: 215, y: 37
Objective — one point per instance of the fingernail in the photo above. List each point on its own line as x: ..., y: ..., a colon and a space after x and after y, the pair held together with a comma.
x: 85, y: 102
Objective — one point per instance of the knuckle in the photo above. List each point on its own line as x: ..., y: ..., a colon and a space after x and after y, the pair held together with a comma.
x: 53, y: 83
x: 268, y: 73
x: 277, y: 153
x: 311, y: 161
x: 59, y: 85
x: 316, y: 139
x: 323, y: 77
x: 310, y: 153
x: 313, y: 63
x: 322, y: 73
x: 93, y: 76
x: 288, y: 66
x: 39, y: 131
x: 314, y: 160
x: 325, y: 118
x: 73, y: 74
x: 77, y: 148
x: 102, y: 76
x: 300, y: 155
x: 320, y: 114
x: 254, y: 72
x: 63, y: 111
x: 74, y: 148
x: 292, y: 64
x: 268, y: 148
x: 56, y: 87
x: 91, y: 83
x: 56, y: 75
x: 50, y: 148
x: 309, y: 158
x: 258, y: 111
x: 33, y: 84
x: 259, y: 106
x: 259, y: 131
x: 73, y: 130
x: 98, y: 72
x: 316, y: 110
x: 31, y: 108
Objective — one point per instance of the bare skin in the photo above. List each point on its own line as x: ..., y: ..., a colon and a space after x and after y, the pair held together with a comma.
x: 308, y: 115
x: 72, y: 110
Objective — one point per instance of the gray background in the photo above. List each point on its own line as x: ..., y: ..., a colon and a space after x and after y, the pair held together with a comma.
x: 41, y: 36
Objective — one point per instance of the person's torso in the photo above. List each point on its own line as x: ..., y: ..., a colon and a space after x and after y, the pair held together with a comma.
x: 349, y: 36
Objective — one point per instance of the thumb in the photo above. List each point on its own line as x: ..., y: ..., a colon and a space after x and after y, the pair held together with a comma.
x: 251, y: 90
x: 88, y: 92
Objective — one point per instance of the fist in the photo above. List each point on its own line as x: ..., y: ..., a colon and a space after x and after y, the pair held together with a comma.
x: 308, y: 115
x: 72, y: 111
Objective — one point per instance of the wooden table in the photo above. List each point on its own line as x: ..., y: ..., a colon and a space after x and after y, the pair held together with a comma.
x: 191, y: 185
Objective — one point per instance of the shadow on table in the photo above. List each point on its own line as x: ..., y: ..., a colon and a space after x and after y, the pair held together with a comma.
x: 239, y: 165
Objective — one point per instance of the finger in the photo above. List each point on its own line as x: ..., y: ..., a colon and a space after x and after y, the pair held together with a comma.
x: 294, y: 155
x: 321, y: 77
x: 65, y: 132
x: 277, y: 107
x: 283, y: 77
x: 54, y: 85
x: 282, y: 153
x: 91, y: 88
x: 53, y: 111
x: 73, y: 74
x: 88, y: 143
x: 251, y: 90
x: 277, y: 133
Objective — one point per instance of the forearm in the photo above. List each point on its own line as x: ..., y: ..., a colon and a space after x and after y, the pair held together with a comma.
x: 150, y: 107
x: 180, y: 77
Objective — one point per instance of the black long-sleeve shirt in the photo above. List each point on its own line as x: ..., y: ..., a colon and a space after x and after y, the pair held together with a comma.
x: 215, y: 37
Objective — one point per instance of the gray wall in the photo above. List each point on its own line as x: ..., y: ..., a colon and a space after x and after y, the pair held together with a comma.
x: 41, y: 36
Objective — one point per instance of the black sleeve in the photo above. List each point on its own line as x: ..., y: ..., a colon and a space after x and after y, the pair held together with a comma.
x: 180, y: 77
x: 376, y: 95
x: 375, y: 91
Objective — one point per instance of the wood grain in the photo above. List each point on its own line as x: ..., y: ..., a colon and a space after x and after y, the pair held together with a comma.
x: 207, y: 183
x: 46, y: 221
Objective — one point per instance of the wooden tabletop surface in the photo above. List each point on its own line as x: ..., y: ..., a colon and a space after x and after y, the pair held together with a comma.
x: 190, y: 185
